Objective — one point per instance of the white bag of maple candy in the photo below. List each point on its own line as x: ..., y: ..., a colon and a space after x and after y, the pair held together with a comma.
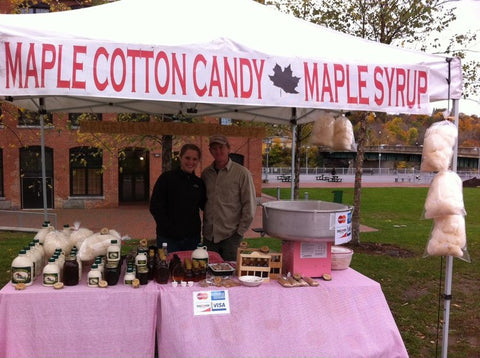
x: 438, y: 145
x: 323, y: 130
x: 445, y: 196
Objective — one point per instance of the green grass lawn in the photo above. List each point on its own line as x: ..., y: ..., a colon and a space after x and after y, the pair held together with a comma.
x: 413, y: 285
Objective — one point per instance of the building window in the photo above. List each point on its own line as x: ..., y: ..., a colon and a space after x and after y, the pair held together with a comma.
x: 133, y: 117
x: 32, y: 119
x: 75, y: 118
x: 86, y: 175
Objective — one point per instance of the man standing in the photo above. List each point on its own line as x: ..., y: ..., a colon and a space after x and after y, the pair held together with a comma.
x: 231, y: 201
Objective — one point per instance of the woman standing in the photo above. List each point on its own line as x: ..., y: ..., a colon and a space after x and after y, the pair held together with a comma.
x: 177, y: 197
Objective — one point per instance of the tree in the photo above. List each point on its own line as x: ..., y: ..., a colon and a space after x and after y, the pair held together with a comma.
x: 385, y: 21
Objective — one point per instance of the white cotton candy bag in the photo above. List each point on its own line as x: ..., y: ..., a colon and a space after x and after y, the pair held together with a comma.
x: 438, y: 145
x: 445, y: 196
x: 448, y: 238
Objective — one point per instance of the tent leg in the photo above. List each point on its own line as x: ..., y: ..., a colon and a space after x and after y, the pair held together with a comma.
x: 447, y: 299
x: 42, y: 159
x: 293, y: 121
x: 449, y: 259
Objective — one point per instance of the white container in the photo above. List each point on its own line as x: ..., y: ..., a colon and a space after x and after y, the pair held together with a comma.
x: 100, y: 265
x: 31, y: 255
x: 41, y: 250
x: 22, y: 269
x: 94, y: 276
x: 38, y: 259
x: 113, y: 251
x: 51, y: 273
x: 129, y: 276
x: 341, y: 257
x: 200, y: 254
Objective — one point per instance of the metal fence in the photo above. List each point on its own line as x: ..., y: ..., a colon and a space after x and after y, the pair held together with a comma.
x: 28, y: 221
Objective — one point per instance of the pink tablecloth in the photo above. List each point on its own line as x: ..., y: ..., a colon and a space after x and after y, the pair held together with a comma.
x: 346, y: 317
x: 78, y: 321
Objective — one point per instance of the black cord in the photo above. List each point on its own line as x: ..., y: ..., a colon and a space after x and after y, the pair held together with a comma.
x: 439, y: 305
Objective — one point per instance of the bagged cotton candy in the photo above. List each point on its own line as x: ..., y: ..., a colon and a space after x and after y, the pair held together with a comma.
x: 444, y: 196
x: 438, y: 145
x: 55, y: 239
x: 79, y: 234
x: 448, y: 237
x: 323, y: 131
x: 97, y: 244
x: 343, y: 137
x: 40, y: 235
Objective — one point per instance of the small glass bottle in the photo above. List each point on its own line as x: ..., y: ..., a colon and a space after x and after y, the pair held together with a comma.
x: 94, y: 276
x: 51, y: 273
x: 151, y: 260
x: 162, y: 273
x: 165, y: 249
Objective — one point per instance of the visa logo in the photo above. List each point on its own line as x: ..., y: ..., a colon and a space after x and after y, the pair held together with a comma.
x: 218, y: 305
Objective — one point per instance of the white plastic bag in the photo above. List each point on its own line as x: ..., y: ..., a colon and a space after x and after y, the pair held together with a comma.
x: 343, y: 137
x: 448, y: 237
x: 445, y: 196
x: 437, y: 152
x: 79, y: 234
x: 323, y: 131
x: 96, y: 245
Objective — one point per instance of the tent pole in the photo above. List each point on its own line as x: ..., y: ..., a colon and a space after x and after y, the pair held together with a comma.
x: 447, y: 296
x: 42, y: 112
x: 293, y: 122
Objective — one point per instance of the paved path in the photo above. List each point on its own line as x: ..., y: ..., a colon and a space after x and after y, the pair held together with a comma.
x: 136, y: 221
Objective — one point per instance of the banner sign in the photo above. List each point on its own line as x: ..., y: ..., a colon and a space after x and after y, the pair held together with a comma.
x: 193, y: 75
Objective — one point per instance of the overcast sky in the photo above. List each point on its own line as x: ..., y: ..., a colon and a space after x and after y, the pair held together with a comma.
x: 468, y: 18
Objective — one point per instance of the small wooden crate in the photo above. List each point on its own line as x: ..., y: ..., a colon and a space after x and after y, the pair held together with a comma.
x: 251, y: 261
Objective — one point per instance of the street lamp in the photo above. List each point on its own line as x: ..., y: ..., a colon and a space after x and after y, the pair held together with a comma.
x: 306, y: 159
x: 268, y: 143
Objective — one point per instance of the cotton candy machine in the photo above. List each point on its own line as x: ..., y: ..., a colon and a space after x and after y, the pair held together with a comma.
x: 308, y: 229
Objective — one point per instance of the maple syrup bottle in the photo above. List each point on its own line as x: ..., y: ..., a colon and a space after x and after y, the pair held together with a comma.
x: 152, y: 257
x: 162, y: 273
x: 70, y: 271
x: 141, y: 270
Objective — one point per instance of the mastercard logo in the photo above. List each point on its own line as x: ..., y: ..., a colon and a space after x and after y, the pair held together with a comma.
x: 202, y: 296
x: 342, y: 219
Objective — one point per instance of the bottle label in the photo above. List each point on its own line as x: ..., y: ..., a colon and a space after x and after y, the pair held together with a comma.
x: 142, y: 268
x: 113, y: 255
x: 93, y: 281
x: 128, y: 282
x: 50, y: 278
x: 22, y: 274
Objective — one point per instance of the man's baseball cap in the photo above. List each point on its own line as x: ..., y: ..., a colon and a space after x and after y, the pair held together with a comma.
x: 220, y: 139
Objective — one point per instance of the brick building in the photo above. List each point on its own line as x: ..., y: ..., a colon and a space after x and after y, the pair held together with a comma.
x: 76, y: 175
x: 79, y: 178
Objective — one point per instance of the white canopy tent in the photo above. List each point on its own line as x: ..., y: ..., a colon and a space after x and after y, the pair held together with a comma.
x: 228, y: 58
x: 223, y: 58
